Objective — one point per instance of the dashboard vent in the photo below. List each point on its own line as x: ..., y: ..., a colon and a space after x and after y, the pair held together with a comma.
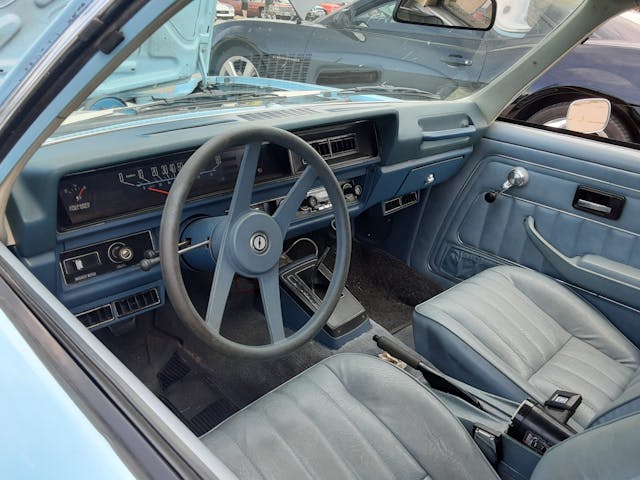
x: 398, y: 203
x: 96, y: 316
x: 335, y: 147
x: 268, y: 115
x: 137, y: 302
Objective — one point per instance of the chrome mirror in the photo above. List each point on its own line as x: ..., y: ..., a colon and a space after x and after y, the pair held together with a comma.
x: 589, y: 115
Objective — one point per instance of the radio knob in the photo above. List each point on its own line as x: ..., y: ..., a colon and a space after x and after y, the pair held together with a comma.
x: 312, y: 201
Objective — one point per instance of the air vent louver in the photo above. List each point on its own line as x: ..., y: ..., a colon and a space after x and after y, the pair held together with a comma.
x: 96, y: 316
x: 335, y: 147
x: 398, y: 203
x: 137, y: 302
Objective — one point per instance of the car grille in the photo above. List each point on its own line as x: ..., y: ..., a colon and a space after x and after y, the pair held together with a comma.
x: 286, y: 67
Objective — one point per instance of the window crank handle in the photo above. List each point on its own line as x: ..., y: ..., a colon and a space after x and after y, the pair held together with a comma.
x: 518, y: 177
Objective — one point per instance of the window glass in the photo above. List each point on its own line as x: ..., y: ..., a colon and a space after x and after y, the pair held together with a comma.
x: 269, y: 53
x: 604, y: 66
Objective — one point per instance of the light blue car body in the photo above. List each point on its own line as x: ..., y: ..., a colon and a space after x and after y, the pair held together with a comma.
x: 45, y: 434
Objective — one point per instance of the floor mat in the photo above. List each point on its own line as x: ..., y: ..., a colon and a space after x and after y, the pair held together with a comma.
x: 193, y: 395
x: 387, y: 287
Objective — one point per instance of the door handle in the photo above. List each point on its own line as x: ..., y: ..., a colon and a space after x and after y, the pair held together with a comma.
x: 598, y: 202
x: 456, y: 60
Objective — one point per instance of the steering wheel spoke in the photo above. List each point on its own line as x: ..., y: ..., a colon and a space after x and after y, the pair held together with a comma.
x: 287, y: 209
x: 244, y: 183
x: 220, y: 288
x: 270, y: 293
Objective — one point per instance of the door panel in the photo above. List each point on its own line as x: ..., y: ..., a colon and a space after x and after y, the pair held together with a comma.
x: 476, y: 234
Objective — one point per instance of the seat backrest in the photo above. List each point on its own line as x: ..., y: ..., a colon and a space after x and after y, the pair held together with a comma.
x: 610, y: 451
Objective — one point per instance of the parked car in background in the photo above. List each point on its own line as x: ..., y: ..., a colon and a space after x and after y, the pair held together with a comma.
x: 607, y: 64
x: 356, y: 45
x: 224, y: 11
x: 282, y: 10
x: 362, y: 45
x: 256, y: 8
x: 604, y: 65
x: 324, y: 9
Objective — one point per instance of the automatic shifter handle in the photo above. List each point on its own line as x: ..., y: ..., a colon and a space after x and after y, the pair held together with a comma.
x: 518, y: 177
x: 316, y: 277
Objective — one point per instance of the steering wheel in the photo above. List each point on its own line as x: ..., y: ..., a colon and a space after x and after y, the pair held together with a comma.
x: 250, y: 242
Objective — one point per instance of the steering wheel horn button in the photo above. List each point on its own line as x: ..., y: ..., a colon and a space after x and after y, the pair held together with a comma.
x: 255, y: 243
x: 259, y: 242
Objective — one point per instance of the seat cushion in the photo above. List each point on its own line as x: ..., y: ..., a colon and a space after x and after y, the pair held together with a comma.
x: 516, y: 333
x: 606, y: 452
x: 350, y: 416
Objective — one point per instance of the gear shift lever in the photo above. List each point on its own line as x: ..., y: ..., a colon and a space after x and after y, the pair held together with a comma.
x: 316, y: 277
x: 518, y: 177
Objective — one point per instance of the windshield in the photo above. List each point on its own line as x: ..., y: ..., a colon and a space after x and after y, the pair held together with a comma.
x: 270, y: 53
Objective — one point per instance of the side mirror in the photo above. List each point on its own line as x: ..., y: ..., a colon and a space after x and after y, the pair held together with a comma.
x: 343, y: 18
x: 464, y: 14
x: 589, y: 115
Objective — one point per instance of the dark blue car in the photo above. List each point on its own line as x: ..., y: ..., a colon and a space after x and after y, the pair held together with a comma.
x: 361, y: 45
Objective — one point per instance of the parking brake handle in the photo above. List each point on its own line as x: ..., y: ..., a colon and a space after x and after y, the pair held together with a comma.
x: 413, y: 359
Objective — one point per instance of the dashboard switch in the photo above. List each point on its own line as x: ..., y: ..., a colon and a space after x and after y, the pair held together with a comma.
x: 125, y: 253
x: 119, y: 252
x: 81, y: 263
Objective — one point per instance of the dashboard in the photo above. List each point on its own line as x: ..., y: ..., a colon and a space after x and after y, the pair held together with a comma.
x: 86, y: 210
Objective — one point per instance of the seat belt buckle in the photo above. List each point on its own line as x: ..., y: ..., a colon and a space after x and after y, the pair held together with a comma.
x: 387, y: 357
x: 562, y: 405
x: 489, y: 441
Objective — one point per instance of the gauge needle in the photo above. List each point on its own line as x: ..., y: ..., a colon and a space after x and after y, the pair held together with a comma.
x: 164, y: 192
x: 79, y: 196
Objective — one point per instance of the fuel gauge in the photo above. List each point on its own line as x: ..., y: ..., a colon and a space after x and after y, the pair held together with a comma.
x: 76, y: 197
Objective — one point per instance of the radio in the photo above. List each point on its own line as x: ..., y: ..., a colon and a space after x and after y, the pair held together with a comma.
x: 317, y: 199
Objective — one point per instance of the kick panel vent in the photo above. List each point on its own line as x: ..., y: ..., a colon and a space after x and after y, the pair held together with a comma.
x: 399, y: 203
x: 96, y: 316
x: 136, y: 303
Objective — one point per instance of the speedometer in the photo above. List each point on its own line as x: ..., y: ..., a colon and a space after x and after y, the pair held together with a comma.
x: 158, y: 177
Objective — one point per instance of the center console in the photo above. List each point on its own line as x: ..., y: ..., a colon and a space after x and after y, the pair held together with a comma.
x: 305, y: 284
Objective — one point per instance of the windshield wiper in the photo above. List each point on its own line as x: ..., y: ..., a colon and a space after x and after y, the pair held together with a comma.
x: 392, y: 90
x: 205, y: 98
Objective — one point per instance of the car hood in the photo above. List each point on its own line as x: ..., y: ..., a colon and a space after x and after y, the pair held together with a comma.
x: 171, y: 61
x: 172, y: 57
x: 303, y: 7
